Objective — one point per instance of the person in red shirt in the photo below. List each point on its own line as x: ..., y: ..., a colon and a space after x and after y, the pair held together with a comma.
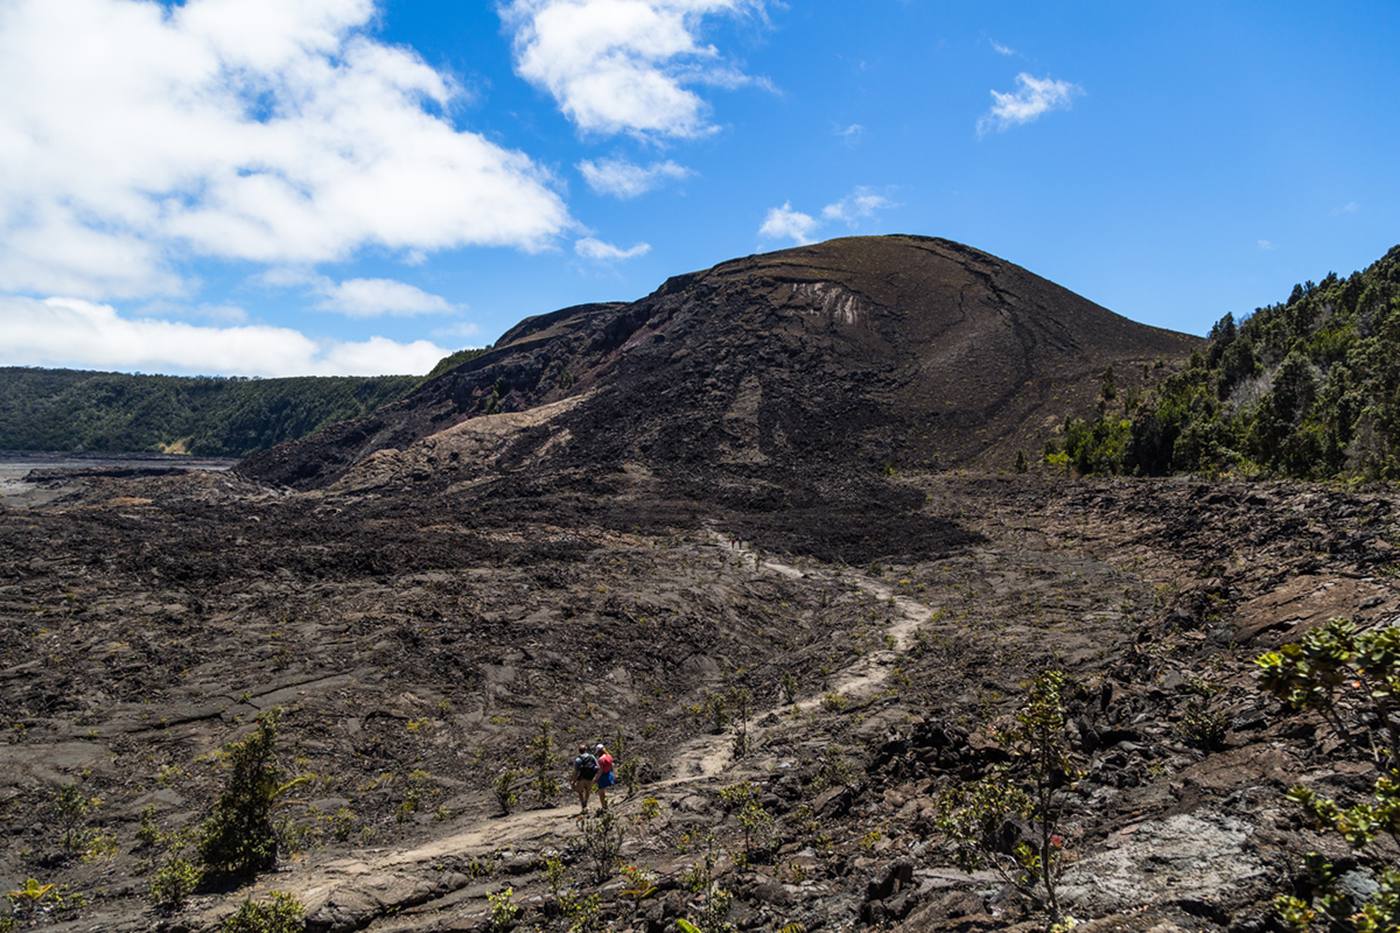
x: 606, y: 778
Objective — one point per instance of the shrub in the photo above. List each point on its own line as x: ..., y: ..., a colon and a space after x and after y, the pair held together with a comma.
x: 148, y: 834
x: 710, y: 903
x: 70, y: 808
x: 280, y: 913
x: 717, y: 713
x: 633, y: 772
x: 504, y: 911
x: 650, y: 811
x: 238, y: 839
x: 757, y: 825
x: 1202, y: 726
x: 342, y: 824
x: 602, y: 835
x: 789, y: 687
x: 583, y: 913
x: 504, y: 790
x: 1350, y: 679
x: 418, y: 786
x: 543, y: 779
x: 173, y: 883
x: 554, y: 878
x: 1031, y: 789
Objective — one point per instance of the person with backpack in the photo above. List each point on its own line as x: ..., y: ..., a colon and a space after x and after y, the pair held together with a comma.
x: 606, y: 777
x: 585, y: 769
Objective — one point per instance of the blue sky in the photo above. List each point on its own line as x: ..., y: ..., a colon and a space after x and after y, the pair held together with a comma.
x: 262, y: 187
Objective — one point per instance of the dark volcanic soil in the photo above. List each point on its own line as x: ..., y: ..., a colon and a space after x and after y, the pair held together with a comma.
x: 625, y: 511
x: 903, y: 351
x: 415, y: 641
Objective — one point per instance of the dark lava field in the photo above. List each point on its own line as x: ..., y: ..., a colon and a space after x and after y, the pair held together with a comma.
x: 788, y: 479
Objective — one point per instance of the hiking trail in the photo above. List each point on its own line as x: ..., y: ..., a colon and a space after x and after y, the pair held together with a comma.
x: 359, y: 891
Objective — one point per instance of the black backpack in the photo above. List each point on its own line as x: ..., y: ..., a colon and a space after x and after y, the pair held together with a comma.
x: 586, y: 765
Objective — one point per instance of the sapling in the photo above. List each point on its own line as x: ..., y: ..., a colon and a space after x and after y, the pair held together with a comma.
x: 1031, y: 788
x: 544, y: 779
x: 504, y: 790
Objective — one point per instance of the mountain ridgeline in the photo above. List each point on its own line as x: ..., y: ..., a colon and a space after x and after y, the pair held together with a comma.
x: 1307, y: 388
x: 847, y: 357
x: 69, y: 410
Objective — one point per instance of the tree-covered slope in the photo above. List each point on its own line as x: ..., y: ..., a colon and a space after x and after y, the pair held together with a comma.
x: 71, y: 410
x: 1307, y: 388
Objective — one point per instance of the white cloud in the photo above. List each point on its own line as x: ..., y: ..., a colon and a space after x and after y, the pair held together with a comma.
x: 618, y: 66
x: 1265, y: 245
x: 861, y: 204
x: 1032, y: 98
x: 1351, y: 207
x: 784, y: 223
x: 71, y: 332
x: 599, y: 251
x: 377, y: 297
x: 623, y: 179
x: 851, y: 133
x: 262, y: 130
x: 358, y: 298
x: 1001, y: 49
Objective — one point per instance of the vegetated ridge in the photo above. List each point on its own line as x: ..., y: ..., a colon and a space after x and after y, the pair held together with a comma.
x: 73, y: 410
x: 891, y: 352
x: 1307, y: 388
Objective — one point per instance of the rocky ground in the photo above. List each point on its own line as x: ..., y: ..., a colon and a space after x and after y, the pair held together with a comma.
x: 416, y: 641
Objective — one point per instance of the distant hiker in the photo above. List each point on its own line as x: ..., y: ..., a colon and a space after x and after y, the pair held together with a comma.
x: 585, y: 768
x: 606, y: 777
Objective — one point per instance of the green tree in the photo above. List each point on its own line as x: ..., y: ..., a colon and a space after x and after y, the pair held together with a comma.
x: 238, y: 838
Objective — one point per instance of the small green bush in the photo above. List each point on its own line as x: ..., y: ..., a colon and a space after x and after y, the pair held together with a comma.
x: 1352, y: 681
x: 504, y: 790
x: 70, y: 809
x: 504, y: 911
x: 173, y: 883
x: 1203, y: 726
x: 280, y: 913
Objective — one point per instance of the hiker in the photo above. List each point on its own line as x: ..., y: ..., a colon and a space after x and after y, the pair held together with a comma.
x: 606, y: 777
x: 585, y: 767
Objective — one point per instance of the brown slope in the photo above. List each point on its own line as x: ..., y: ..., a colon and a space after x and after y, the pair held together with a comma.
x: 869, y: 350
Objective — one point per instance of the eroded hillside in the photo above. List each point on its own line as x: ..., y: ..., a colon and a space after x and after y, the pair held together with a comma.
x: 901, y: 351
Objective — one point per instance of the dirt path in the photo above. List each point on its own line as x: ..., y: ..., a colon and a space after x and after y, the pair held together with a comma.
x: 355, y: 892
